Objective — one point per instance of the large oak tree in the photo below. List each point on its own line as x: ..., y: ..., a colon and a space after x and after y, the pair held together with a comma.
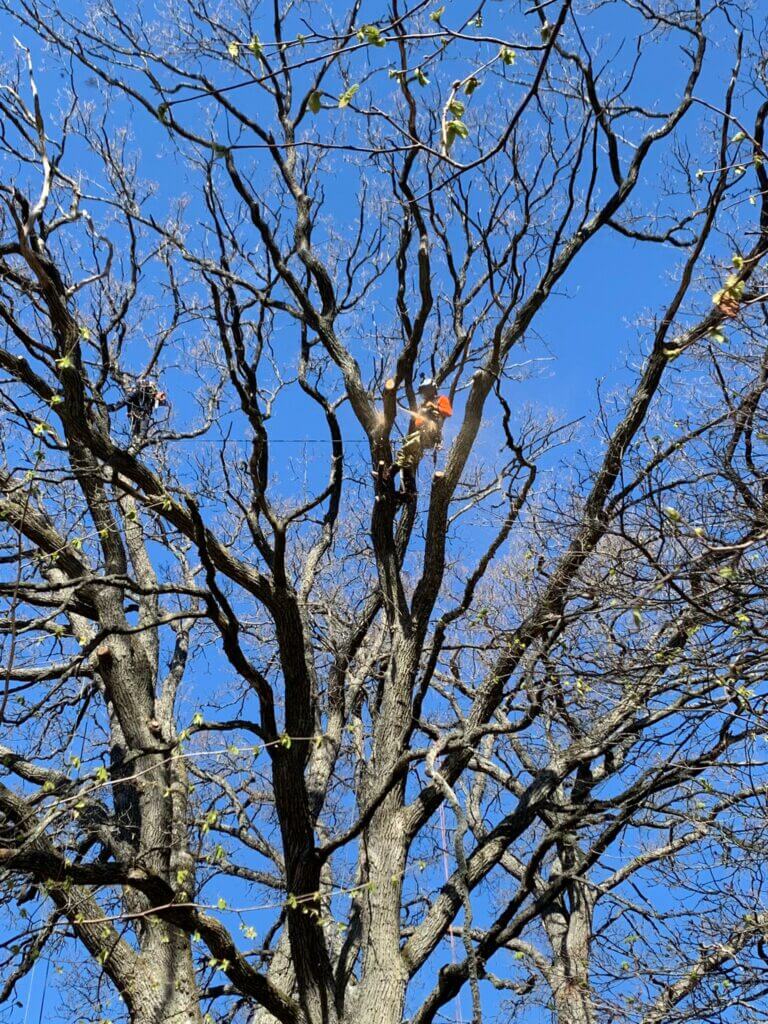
x: 277, y: 747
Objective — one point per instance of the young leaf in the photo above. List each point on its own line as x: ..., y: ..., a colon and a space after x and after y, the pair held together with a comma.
x: 453, y: 130
x: 508, y: 55
x: 255, y: 46
x: 437, y: 14
x: 471, y: 84
x: 233, y: 49
x: 347, y: 95
x: 371, y: 34
x: 420, y: 77
x: 456, y: 107
x: 314, y: 102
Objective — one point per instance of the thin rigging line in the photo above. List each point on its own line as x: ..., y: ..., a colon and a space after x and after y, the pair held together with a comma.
x: 45, y: 991
x: 444, y: 831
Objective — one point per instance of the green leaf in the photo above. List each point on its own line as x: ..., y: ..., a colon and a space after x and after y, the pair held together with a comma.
x: 456, y: 107
x: 717, y: 336
x: 255, y: 46
x: 314, y: 102
x: 285, y: 741
x: 65, y: 363
x: 347, y: 95
x: 102, y: 775
x: 221, y: 903
x: 471, y: 84
x: 672, y: 513
x: 85, y: 334
x: 372, y: 35
x: 454, y: 129
x: 437, y: 14
x: 739, y: 137
x: 233, y: 49
x: 420, y: 77
x: 508, y: 55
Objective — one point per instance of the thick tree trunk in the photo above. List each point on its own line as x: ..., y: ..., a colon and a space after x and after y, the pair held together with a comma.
x: 571, y: 934
x: 164, y: 990
x: 383, y: 980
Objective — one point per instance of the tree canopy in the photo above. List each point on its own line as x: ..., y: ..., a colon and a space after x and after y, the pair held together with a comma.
x: 289, y: 738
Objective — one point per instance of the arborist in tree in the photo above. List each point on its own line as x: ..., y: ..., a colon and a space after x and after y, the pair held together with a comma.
x: 143, y: 401
x: 425, y: 433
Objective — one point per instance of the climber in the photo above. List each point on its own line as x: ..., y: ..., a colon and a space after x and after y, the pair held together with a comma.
x: 730, y: 297
x: 142, y: 402
x: 425, y: 433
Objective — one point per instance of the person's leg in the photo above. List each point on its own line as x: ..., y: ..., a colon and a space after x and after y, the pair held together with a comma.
x: 409, y: 453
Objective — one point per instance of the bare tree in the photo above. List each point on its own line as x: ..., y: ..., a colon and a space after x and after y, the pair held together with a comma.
x: 289, y: 738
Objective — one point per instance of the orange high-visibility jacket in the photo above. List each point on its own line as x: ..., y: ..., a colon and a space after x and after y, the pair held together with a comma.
x: 442, y: 407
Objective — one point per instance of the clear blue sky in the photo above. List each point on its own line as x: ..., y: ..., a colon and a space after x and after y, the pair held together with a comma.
x: 586, y: 334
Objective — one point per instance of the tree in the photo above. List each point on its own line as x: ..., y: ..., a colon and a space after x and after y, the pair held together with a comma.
x: 277, y: 744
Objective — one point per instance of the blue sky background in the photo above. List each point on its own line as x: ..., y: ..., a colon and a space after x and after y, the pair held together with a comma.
x: 586, y: 333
